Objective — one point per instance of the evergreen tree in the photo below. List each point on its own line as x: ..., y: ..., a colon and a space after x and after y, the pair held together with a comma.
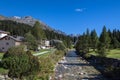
x: 79, y: 44
x: 14, y: 28
x: 115, y: 43
x: 104, y: 43
x: 101, y: 50
x: 87, y: 40
x: 82, y: 44
x: 85, y: 44
x: 31, y: 41
x: 37, y: 31
x: 105, y: 38
x: 94, y: 39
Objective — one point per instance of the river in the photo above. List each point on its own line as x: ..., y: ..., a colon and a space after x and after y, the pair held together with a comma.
x: 73, y: 67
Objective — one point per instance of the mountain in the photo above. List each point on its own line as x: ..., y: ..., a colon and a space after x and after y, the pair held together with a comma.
x: 30, y: 21
x: 2, y: 17
x: 21, y: 25
x: 26, y: 20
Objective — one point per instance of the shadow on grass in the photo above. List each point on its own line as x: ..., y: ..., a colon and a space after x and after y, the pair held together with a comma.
x: 75, y: 64
x: 103, y: 63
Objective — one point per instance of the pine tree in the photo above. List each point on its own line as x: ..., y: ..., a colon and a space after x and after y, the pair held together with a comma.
x: 31, y: 41
x: 82, y: 44
x: 105, y: 38
x: 94, y: 39
x: 87, y: 40
x: 115, y: 43
x: 79, y: 44
x: 37, y: 31
x: 104, y: 43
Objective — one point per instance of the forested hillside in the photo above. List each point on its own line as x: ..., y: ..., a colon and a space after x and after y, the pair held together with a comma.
x: 14, y: 28
x: 21, y: 29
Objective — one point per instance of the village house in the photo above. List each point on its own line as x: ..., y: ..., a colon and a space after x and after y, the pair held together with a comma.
x: 47, y: 43
x: 44, y: 44
x: 7, y: 41
x: 54, y: 41
x: 3, y: 33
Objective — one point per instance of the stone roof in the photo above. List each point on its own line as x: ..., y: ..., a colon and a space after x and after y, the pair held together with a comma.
x: 4, y: 32
x: 17, y: 38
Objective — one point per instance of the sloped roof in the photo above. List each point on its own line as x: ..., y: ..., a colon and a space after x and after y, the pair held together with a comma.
x: 18, y: 38
x: 4, y: 32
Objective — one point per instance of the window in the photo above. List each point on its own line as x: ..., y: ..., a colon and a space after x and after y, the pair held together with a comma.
x: 8, y: 38
x: 3, y: 48
x: 5, y: 38
x: 7, y: 43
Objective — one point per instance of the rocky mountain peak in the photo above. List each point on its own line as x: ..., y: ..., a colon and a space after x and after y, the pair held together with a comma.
x: 26, y: 20
x: 30, y: 21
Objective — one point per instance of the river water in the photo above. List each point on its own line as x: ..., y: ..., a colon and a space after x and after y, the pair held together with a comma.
x: 72, y: 67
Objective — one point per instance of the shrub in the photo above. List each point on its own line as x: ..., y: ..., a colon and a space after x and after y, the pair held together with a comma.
x: 20, y: 63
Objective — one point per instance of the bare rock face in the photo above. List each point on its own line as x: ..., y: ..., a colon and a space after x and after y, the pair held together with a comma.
x: 2, y: 17
x: 29, y: 20
x: 26, y: 20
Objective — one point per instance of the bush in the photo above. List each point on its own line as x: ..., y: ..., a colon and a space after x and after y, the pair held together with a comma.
x: 60, y: 46
x: 47, y: 64
x: 20, y: 63
x: 87, y: 56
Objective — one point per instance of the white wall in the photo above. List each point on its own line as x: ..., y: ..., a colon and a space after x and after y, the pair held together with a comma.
x: 2, y: 35
x: 5, y: 44
x: 47, y: 43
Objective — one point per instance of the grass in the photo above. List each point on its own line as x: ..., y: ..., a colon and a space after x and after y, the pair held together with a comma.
x: 3, y: 71
x: 93, y: 53
x: 114, y: 53
x: 44, y: 55
x: 1, y: 55
x: 47, y: 54
x: 42, y: 50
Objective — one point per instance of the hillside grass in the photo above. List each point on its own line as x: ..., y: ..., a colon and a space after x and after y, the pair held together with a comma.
x: 1, y: 55
x: 41, y: 50
x: 2, y: 71
x: 114, y: 53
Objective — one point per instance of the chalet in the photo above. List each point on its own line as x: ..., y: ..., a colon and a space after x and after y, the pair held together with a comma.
x: 47, y: 43
x: 3, y: 33
x: 44, y: 44
x: 54, y: 41
x: 7, y: 41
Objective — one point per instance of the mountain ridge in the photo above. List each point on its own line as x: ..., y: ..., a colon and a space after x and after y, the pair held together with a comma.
x: 29, y: 20
x: 26, y: 20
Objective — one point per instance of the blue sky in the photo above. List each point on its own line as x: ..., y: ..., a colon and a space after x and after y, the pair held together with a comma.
x: 69, y: 16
